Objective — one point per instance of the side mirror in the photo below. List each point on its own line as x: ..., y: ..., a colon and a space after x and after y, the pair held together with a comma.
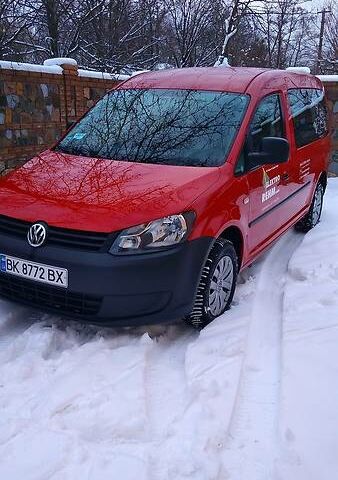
x: 274, y: 150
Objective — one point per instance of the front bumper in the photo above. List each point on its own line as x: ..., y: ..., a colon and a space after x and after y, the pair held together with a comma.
x: 121, y: 290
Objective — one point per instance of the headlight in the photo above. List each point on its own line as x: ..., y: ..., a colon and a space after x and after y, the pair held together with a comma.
x: 164, y: 232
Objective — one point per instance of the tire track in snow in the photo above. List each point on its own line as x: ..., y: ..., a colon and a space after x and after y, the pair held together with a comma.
x: 166, y: 398
x: 250, y: 446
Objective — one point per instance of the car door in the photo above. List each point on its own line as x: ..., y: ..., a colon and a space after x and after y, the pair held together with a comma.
x: 268, y: 184
x: 309, y: 120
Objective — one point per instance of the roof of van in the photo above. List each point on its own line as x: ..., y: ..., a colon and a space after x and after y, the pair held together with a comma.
x: 231, y: 79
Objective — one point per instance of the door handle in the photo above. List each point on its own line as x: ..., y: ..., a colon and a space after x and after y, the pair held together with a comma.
x: 285, y: 177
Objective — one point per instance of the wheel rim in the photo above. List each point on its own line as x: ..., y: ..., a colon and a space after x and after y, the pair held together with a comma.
x: 220, y: 286
x: 317, y: 205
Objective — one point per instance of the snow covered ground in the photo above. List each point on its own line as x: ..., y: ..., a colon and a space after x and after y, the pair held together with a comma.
x: 252, y: 397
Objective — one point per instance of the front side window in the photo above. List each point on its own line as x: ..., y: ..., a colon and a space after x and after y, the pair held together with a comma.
x: 309, y: 113
x: 266, y: 122
x: 173, y: 127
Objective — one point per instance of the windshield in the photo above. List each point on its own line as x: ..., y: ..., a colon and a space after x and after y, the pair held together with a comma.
x: 172, y: 127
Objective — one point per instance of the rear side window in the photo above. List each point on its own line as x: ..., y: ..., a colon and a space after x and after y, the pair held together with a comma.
x: 309, y: 113
x: 266, y: 122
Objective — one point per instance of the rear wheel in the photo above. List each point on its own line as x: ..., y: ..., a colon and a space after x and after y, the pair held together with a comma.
x: 313, y: 216
x: 217, y: 284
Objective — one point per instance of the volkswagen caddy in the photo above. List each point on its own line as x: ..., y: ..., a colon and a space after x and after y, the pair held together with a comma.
x: 149, y: 206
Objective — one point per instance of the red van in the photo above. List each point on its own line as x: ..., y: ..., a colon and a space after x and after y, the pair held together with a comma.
x: 149, y: 206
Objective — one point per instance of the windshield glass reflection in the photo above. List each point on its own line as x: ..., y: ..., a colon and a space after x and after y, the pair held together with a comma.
x: 172, y: 127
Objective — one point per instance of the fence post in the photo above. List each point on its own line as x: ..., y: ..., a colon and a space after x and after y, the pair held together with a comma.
x: 69, y: 111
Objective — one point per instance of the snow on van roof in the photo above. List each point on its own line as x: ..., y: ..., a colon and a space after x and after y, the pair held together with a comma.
x: 306, y: 70
x: 299, y: 70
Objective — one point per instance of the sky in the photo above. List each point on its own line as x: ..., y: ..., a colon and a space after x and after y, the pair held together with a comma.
x: 313, y: 5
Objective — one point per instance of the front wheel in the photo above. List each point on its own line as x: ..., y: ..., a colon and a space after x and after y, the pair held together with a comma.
x: 217, y: 284
x: 313, y: 216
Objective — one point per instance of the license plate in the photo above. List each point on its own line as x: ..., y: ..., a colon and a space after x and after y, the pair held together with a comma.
x: 34, y: 271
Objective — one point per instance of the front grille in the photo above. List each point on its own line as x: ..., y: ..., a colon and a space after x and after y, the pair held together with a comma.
x: 52, y: 298
x: 75, y: 239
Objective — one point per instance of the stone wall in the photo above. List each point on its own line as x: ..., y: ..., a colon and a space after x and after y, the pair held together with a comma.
x: 38, y: 101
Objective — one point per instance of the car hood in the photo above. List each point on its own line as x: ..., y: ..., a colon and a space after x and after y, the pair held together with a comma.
x: 97, y: 194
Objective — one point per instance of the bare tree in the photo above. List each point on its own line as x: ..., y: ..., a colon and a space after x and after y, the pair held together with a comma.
x: 120, y: 34
x: 330, y: 41
x: 57, y: 26
x: 279, y: 21
x: 187, y: 21
x: 236, y: 12
x: 124, y: 35
x: 14, y: 23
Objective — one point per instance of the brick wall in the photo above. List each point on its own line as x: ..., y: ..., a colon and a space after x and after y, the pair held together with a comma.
x: 37, y: 102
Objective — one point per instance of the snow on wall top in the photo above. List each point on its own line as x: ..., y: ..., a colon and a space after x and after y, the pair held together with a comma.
x: 30, y: 67
x: 328, y: 78
x: 138, y: 72
x: 60, y: 61
x: 103, y: 75
x: 53, y: 66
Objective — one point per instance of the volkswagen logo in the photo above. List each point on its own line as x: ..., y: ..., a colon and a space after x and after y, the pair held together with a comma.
x: 37, y: 235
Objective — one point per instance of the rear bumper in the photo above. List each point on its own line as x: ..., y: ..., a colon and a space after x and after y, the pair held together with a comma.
x: 121, y: 290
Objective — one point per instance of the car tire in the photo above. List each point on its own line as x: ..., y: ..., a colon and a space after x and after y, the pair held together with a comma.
x: 217, y: 284
x: 313, y: 216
